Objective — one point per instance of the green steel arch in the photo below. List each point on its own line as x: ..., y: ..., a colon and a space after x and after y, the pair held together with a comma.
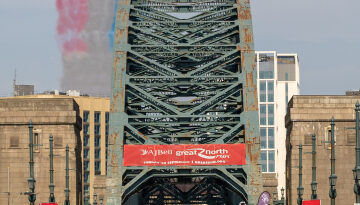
x: 183, y: 73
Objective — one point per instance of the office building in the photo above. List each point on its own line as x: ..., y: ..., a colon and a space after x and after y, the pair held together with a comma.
x: 278, y: 81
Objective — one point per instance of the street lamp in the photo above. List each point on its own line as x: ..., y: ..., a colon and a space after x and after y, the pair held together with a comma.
x: 282, y: 201
x: 51, y: 170
x: 31, y: 179
x: 356, y: 170
x: 95, y: 199
x: 300, y: 189
x: 314, y: 183
x: 67, y: 190
x: 333, y: 177
x: 86, y: 198
x: 275, y: 197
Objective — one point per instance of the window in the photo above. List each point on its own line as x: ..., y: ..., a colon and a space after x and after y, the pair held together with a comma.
x: 36, y: 141
x: 262, y: 114
x: 328, y: 136
x: 86, y: 178
x: 97, y: 141
x: 86, y: 165
x: 263, y: 137
x: 86, y: 129
x: 262, y: 91
x: 271, y: 161
x: 350, y: 137
x: 58, y: 141
x: 268, y: 161
x: 97, y: 153
x: 271, y: 140
x: 86, y: 116
x: 97, y: 168
x: 308, y: 139
x: 107, y: 118
x: 264, y: 161
x: 86, y: 141
x: 14, y: 142
x: 267, y: 149
x: 97, y: 129
x: 97, y: 117
x: 286, y: 68
x: 271, y: 114
x: 270, y: 91
x: 266, y: 66
x: 86, y: 154
x: 107, y: 130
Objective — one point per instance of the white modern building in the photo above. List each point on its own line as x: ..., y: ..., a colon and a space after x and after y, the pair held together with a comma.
x: 278, y: 81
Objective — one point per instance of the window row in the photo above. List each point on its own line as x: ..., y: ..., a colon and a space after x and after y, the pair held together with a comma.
x: 266, y: 114
x: 267, y: 138
x: 268, y: 161
x: 97, y: 117
x: 266, y: 91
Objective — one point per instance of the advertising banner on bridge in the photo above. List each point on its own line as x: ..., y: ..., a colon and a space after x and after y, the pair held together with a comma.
x: 184, y: 155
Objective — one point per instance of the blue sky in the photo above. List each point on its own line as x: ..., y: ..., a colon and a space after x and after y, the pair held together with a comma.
x: 325, y: 34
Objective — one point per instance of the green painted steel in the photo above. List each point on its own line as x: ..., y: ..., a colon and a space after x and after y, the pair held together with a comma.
x: 313, y: 183
x: 183, y: 73
x: 67, y: 189
x: 356, y: 170
x: 332, y: 177
x: 51, y: 170
x: 31, y: 179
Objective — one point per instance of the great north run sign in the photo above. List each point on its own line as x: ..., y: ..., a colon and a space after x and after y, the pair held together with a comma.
x: 184, y: 155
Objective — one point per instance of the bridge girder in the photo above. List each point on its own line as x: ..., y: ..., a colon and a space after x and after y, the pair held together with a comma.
x: 184, y: 73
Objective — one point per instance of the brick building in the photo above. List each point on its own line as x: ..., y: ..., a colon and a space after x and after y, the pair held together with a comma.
x: 312, y: 114
x: 59, y: 117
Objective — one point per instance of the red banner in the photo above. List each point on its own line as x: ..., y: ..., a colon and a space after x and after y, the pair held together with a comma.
x: 311, y: 202
x: 184, y: 155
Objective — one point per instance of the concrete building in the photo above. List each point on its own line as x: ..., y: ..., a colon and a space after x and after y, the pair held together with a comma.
x: 312, y: 114
x: 59, y: 117
x: 278, y: 80
x: 95, y: 116
x: 22, y: 90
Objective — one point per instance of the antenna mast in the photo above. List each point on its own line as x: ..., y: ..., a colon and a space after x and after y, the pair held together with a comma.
x: 14, y: 84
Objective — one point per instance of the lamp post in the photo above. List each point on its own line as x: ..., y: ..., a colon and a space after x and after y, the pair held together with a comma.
x: 31, y: 179
x: 95, y: 199
x: 51, y: 170
x: 275, y: 201
x: 300, y: 188
x: 86, y: 198
x: 313, y: 183
x: 282, y: 201
x: 356, y: 170
x: 333, y: 177
x: 67, y: 190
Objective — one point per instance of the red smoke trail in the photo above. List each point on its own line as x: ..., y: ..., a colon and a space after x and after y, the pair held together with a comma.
x: 73, y: 16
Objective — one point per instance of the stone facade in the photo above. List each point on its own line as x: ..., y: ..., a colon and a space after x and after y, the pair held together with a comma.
x: 59, y: 117
x: 312, y: 114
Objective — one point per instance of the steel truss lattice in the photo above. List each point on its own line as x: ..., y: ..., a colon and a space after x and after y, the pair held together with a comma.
x: 183, y: 73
